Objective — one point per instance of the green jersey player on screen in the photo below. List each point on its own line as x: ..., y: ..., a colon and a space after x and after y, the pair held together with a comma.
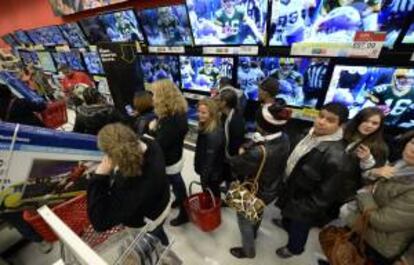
x: 398, y: 97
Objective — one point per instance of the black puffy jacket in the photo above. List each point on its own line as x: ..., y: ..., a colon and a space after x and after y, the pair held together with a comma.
x: 247, y: 164
x: 91, y: 118
x: 316, y: 186
x: 209, y: 155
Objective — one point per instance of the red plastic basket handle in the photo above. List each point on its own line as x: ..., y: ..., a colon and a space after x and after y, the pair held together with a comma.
x: 190, y: 191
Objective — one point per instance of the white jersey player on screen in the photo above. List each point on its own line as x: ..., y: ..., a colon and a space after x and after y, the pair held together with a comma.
x: 288, y: 20
x: 249, y: 78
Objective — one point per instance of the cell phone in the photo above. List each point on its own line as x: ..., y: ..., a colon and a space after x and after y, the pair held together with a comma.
x: 130, y: 111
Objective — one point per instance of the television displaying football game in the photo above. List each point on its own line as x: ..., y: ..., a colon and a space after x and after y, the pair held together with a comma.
x: 47, y: 36
x: 228, y: 22
x: 160, y: 67
x: 93, y: 63
x: 74, y: 35
x: 202, y: 73
x: 71, y: 59
x: 29, y: 57
x: 68, y: 7
x: 389, y: 88
x: 302, y: 81
x: 46, y: 61
x: 166, y: 26
x: 8, y: 38
x: 409, y: 36
x: 121, y: 26
x: 22, y: 38
x: 94, y: 30
x: 326, y: 21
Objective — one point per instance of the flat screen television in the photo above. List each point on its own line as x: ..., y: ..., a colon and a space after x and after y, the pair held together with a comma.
x: 22, y: 38
x: 29, y: 57
x: 93, y: 63
x: 68, y: 7
x: 409, y: 36
x: 74, y: 35
x: 390, y: 88
x: 160, y: 67
x: 326, y: 21
x: 94, y: 30
x: 201, y: 74
x: 9, y: 39
x: 166, y: 26
x: 121, y: 26
x: 228, y: 22
x: 302, y: 81
x: 47, y: 36
x: 71, y: 59
x: 46, y: 61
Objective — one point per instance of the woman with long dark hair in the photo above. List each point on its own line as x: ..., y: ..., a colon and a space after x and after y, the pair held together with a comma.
x: 366, y: 146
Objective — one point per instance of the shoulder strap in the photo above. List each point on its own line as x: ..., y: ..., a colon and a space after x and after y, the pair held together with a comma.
x: 262, y: 163
x: 9, y: 107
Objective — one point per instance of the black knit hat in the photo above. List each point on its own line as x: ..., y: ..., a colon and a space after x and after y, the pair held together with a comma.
x: 270, y: 85
x: 272, y: 117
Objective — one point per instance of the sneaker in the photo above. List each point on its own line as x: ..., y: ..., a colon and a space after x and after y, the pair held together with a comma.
x: 44, y: 247
x: 284, y: 253
x: 278, y: 223
x: 240, y: 254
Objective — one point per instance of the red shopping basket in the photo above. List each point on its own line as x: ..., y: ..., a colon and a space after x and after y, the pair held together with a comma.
x: 72, y: 212
x: 203, y: 209
x: 55, y: 115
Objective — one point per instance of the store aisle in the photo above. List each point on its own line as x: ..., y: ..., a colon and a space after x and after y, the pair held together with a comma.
x: 198, y: 248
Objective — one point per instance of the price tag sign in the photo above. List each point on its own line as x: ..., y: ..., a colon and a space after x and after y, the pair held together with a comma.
x: 178, y: 49
x: 248, y: 50
x: 220, y: 50
x: 63, y: 48
x: 367, y: 44
x: 320, y: 49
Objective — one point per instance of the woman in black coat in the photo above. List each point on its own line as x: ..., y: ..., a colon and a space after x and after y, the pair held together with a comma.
x: 170, y: 129
x: 209, y: 153
x: 270, y: 120
x: 129, y: 184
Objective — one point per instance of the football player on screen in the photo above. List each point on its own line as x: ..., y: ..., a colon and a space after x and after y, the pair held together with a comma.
x: 235, y: 26
x: 396, y: 98
x: 208, y: 74
x: 170, y: 27
x: 249, y: 78
x: 289, y: 25
x: 187, y: 74
x: 287, y: 73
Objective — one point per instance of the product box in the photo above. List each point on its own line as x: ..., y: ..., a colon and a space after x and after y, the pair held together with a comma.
x: 41, y: 166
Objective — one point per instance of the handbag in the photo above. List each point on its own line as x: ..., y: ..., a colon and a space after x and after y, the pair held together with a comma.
x: 242, y: 196
x: 343, y: 246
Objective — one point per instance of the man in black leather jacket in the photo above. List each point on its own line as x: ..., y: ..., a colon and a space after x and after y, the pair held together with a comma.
x: 314, y: 175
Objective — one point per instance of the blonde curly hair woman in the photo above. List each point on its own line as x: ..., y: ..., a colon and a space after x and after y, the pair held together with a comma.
x: 171, y: 108
x: 130, y: 182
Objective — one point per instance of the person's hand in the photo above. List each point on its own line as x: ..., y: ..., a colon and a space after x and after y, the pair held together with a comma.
x: 153, y: 125
x: 363, y: 152
x: 105, y: 167
x: 241, y: 151
x: 385, y: 171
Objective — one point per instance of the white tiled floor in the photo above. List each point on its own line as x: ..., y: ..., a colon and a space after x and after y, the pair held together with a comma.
x: 195, y: 247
